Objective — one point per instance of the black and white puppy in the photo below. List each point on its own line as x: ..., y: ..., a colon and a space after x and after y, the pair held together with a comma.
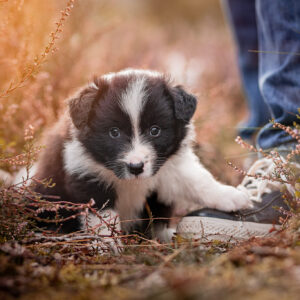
x: 127, y: 140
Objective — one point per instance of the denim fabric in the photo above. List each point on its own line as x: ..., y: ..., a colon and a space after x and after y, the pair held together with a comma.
x: 271, y: 77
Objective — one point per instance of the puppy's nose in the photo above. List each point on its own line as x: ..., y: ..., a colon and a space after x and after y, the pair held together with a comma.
x: 136, y: 169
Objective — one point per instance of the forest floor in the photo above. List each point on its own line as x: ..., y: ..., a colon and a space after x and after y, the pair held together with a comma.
x: 260, y: 268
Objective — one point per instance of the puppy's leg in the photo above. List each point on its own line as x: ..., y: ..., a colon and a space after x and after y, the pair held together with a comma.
x: 164, y: 233
x: 106, y: 225
x: 188, y: 180
x: 156, y: 217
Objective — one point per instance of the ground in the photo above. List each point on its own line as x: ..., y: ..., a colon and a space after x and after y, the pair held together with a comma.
x: 266, y: 268
x: 188, y: 40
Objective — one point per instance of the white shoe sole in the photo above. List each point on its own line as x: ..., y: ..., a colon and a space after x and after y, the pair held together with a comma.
x: 208, y: 229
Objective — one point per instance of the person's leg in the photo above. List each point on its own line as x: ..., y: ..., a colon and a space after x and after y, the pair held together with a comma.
x: 278, y: 24
x: 241, y: 16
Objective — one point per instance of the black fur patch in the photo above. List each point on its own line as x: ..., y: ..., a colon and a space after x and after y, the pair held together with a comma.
x: 160, y: 110
x: 158, y: 215
x: 185, y: 104
x: 75, y: 190
x: 81, y: 107
x: 107, y: 114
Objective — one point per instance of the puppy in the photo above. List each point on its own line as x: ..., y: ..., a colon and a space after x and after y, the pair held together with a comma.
x: 126, y: 141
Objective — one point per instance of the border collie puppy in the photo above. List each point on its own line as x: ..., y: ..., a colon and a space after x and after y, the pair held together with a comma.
x: 126, y: 140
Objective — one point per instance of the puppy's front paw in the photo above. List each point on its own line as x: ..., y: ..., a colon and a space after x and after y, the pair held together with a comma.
x: 232, y: 199
x: 166, y: 235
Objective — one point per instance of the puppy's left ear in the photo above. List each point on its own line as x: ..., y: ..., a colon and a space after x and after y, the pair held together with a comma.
x: 185, y: 104
x: 82, y: 104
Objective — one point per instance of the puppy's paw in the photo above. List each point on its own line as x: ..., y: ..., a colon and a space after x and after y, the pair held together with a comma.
x: 108, y: 245
x: 105, y: 226
x: 166, y: 235
x: 232, y: 199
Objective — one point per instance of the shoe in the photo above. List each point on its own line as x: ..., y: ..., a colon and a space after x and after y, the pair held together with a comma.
x: 262, y: 219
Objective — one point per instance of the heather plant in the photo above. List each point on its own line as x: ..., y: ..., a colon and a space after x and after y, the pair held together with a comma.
x: 25, y: 92
x: 31, y: 68
x: 21, y: 207
x: 18, y: 201
x: 285, y: 170
x: 15, y: 214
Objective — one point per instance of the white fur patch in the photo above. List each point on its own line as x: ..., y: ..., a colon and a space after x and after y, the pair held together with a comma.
x: 140, y: 152
x: 107, y: 228
x: 22, y: 175
x: 132, y: 101
x: 183, y: 178
x: 105, y: 225
x: 132, y: 196
x: 165, y: 234
x: 94, y: 86
x: 130, y: 71
x: 78, y: 162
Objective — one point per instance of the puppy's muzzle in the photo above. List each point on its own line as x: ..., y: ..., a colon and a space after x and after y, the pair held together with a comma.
x: 136, y: 169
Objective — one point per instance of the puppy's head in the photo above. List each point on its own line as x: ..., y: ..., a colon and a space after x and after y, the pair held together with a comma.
x: 131, y: 122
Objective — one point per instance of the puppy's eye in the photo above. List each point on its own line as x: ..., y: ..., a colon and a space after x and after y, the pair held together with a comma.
x: 155, y: 131
x: 114, y: 132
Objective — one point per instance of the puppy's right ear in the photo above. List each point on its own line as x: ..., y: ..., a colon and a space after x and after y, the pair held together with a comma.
x: 81, y: 106
x: 184, y: 103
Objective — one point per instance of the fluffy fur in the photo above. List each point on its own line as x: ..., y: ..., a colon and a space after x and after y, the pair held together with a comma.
x: 127, y: 140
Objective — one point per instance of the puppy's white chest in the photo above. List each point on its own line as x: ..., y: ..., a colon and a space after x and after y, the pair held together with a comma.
x: 131, y: 200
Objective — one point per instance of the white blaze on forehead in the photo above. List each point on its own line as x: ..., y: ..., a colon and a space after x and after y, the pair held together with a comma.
x: 133, y: 100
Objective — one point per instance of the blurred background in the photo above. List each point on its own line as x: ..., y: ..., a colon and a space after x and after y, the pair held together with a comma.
x: 187, y: 39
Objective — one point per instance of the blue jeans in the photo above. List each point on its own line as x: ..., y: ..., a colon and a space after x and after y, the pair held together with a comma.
x: 267, y: 34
